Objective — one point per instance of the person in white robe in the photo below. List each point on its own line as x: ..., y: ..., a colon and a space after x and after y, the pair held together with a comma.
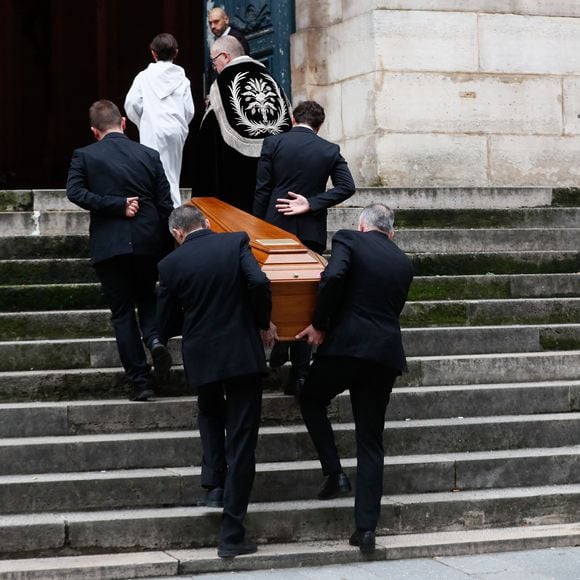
x: 159, y: 102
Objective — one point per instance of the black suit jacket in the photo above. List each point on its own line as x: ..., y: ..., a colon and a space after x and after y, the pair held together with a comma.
x: 100, y: 179
x: 215, y: 283
x: 360, y: 297
x: 301, y: 161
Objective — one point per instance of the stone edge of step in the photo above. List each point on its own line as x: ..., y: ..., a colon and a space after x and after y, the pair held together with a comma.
x: 278, y: 556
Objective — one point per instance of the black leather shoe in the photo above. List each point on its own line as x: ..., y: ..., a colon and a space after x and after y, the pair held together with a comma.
x: 141, y: 395
x: 162, y: 360
x: 364, y: 539
x: 279, y: 355
x: 233, y: 550
x: 334, y: 486
x: 214, y: 498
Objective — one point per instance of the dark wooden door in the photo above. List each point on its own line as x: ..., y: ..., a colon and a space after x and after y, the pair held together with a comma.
x: 59, y: 56
x: 267, y: 24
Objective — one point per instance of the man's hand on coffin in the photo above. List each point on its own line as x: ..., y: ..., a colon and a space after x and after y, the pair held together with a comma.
x: 295, y: 206
x: 311, y: 335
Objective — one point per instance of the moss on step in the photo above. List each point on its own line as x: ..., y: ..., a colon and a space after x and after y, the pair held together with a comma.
x: 18, y: 272
x: 566, y: 197
x: 20, y: 200
x: 51, y: 297
x: 459, y: 288
x: 42, y: 247
x: 497, y: 263
x: 560, y: 339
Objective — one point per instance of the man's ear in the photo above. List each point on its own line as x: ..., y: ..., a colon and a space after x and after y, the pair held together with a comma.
x: 178, y: 235
x: 391, y: 234
x: 123, y: 123
x: 96, y: 133
x: 206, y: 224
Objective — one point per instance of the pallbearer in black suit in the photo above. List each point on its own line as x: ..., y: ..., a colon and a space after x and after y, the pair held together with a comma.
x: 123, y: 185
x: 356, y: 325
x: 293, y: 171
x: 213, y: 282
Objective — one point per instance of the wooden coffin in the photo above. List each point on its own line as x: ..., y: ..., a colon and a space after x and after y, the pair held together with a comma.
x: 293, y: 269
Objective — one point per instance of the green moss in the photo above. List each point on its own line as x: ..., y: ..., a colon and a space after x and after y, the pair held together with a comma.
x: 419, y: 314
x: 566, y: 197
x: 30, y: 247
x: 46, y: 272
x: 51, y: 297
x: 497, y: 263
x: 459, y: 288
x: 16, y: 200
x: 560, y: 339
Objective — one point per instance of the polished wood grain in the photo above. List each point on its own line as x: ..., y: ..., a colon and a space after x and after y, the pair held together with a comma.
x: 292, y: 268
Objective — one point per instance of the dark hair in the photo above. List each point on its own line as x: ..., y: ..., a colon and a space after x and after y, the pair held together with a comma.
x: 309, y: 113
x: 186, y: 218
x: 165, y: 46
x: 104, y: 115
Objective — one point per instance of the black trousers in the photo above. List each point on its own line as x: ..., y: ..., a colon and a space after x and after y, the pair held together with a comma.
x: 228, y: 419
x: 129, y: 282
x: 370, y: 386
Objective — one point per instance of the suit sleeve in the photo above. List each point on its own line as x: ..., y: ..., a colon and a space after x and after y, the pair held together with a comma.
x: 343, y: 186
x: 78, y: 192
x: 332, y: 281
x: 169, y: 310
x: 258, y: 285
x: 264, y: 182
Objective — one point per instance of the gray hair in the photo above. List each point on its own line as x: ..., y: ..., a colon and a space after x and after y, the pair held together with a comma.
x: 379, y: 216
x: 228, y: 44
x: 186, y: 218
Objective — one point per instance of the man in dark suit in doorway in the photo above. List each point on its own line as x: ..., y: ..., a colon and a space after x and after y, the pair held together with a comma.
x: 214, y: 282
x: 356, y: 325
x: 293, y: 171
x: 123, y: 185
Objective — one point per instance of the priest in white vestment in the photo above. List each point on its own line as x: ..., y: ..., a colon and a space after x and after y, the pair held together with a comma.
x: 159, y: 102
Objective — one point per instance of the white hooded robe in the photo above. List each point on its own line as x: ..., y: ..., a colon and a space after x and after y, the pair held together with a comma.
x: 159, y: 102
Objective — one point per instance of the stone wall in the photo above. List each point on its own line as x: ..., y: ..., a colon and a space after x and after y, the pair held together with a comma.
x: 446, y: 92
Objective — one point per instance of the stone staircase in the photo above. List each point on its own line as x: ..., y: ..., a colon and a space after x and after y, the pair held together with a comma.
x: 482, y: 435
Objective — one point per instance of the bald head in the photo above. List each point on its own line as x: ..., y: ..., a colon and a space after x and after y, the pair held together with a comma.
x: 218, y: 21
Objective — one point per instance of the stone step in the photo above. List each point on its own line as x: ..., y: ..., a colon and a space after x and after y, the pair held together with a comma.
x: 496, y: 286
x: 550, y: 217
x: 280, y: 522
x: 104, y: 567
x: 24, y: 355
x: 454, y: 197
x: 286, y: 481
x: 296, y: 555
x: 75, y: 270
x: 44, y: 247
x: 163, y: 414
x: 69, y: 324
x: 73, y: 384
x: 546, y: 262
x: 453, y: 241
x: 89, y: 295
x: 487, y: 240
x: 34, y: 455
x: 47, y: 271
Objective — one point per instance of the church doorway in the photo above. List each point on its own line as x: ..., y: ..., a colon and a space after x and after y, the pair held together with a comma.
x: 59, y: 56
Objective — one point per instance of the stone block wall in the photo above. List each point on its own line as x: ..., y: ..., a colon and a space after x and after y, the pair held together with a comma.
x: 445, y: 92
